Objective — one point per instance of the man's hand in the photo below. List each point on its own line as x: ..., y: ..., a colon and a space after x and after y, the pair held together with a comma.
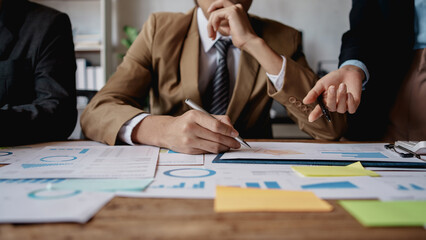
x: 193, y: 132
x: 230, y: 20
x: 341, y: 91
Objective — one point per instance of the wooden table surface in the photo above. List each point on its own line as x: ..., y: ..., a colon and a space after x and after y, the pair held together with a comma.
x: 145, y: 218
x: 133, y: 218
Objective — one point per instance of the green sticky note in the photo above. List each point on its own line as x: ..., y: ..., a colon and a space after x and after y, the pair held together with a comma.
x: 103, y: 185
x: 374, y: 213
x: 354, y: 169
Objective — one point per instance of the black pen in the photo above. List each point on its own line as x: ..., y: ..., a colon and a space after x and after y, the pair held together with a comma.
x: 324, y: 110
x: 196, y: 107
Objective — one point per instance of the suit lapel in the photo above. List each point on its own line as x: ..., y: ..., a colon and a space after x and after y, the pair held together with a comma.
x: 189, y: 62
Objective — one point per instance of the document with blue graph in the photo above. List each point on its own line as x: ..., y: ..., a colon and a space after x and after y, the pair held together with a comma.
x: 370, y: 154
x: 132, y: 162
x: 31, y: 201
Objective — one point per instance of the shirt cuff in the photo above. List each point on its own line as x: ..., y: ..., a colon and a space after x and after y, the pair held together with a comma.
x: 125, y: 133
x: 361, y: 65
x: 278, y: 80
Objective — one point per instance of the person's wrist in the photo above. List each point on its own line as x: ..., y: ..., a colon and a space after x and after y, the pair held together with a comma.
x: 150, y: 130
x: 135, y: 131
x: 252, y: 42
x: 354, y: 69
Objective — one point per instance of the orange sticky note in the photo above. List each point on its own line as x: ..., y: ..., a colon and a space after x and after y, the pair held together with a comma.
x: 234, y: 199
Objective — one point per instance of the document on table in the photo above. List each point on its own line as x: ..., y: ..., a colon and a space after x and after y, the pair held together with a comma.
x: 317, y: 151
x: 344, y: 187
x: 132, y: 162
x: 103, y: 185
x: 406, y: 186
x: 23, y: 202
x: 170, y: 158
x: 23, y: 153
x: 371, y: 155
x: 201, y: 182
x: 179, y: 182
x: 15, y: 154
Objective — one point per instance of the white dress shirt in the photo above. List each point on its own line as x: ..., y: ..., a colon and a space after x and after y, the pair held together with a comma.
x: 207, y: 66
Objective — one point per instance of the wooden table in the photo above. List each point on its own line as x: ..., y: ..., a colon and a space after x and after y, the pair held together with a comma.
x: 137, y: 218
x: 132, y: 218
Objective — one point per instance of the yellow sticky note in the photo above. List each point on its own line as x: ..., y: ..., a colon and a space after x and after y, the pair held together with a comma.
x: 354, y: 169
x: 234, y: 199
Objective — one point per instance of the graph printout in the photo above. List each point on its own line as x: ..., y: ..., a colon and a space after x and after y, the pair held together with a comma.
x: 29, y: 201
x: 130, y: 162
x: 407, y: 187
x: 318, y: 151
x: 14, y: 154
x: 23, y: 153
x: 170, y: 158
x: 179, y: 182
x: 201, y: 182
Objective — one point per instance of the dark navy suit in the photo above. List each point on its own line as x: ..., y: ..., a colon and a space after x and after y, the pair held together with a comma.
x: 381, y: 35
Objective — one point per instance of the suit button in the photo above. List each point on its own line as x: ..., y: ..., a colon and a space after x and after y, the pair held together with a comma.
x: 292, y: 100
x: 298, y: 104
x: 305, y: 108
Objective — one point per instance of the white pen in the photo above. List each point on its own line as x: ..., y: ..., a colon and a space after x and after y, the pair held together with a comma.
x: 196, y: 107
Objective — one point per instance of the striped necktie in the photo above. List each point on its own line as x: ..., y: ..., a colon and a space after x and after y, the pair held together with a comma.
x: 220, y: 82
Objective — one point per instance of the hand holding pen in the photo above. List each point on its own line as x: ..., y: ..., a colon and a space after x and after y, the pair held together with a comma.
x: 193, y: 132
x: 196, y: 107
x: 340, y: 90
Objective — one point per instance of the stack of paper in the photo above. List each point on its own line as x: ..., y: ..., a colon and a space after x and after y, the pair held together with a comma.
x: 32, y: 192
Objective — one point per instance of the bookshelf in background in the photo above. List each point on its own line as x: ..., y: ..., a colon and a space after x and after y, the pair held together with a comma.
x: 91, y: 23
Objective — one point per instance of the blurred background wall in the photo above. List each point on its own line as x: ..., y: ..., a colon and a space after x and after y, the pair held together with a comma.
x: 321, y: 21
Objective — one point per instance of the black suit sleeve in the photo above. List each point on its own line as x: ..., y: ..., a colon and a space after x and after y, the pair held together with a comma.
x: 381, y: 36
x: 360, y: 37
x: 52, y: 113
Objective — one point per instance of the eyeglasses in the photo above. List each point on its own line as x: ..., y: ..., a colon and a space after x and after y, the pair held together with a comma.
x: 406, y: 154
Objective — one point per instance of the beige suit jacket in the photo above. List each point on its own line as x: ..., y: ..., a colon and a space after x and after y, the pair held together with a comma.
x: 163, y: 61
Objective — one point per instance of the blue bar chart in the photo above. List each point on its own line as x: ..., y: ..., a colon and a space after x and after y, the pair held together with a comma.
x: 268, y: 184
x: 330, y: 185
x: 181, y: 185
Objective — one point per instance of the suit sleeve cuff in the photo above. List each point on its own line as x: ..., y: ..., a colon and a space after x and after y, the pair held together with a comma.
x: 278, y: 80
x: 361, y: 65
x: 125, y: 133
